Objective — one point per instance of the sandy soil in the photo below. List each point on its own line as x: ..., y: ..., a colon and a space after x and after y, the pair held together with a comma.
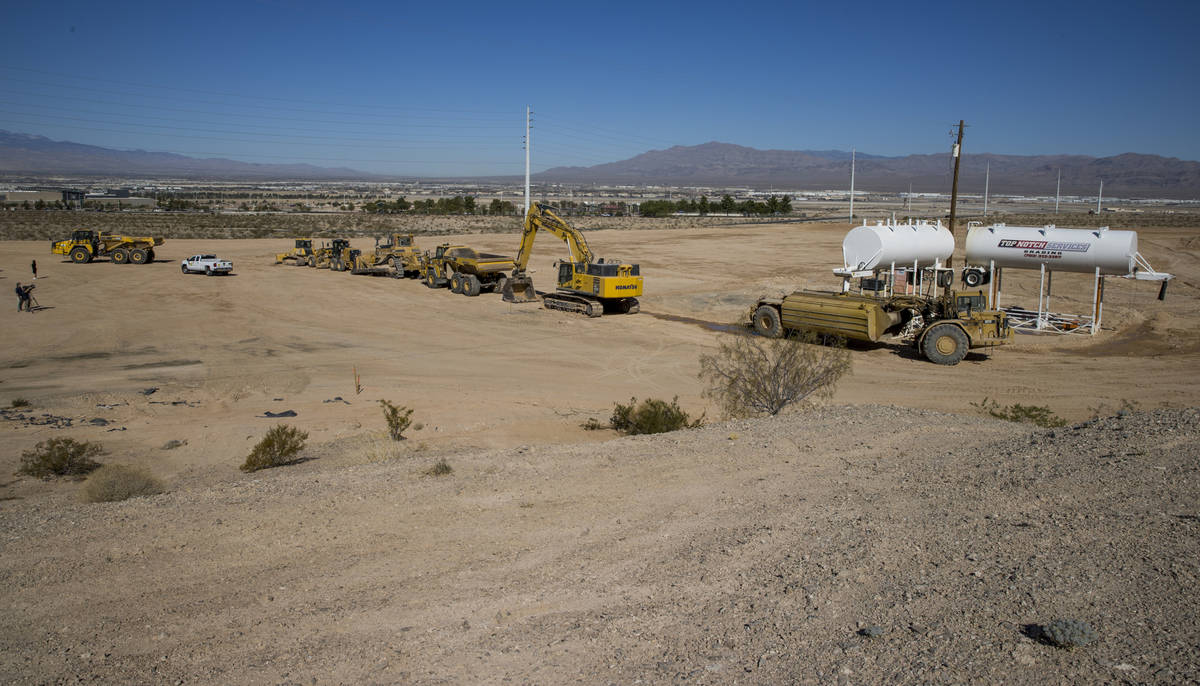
x: 340, y: 570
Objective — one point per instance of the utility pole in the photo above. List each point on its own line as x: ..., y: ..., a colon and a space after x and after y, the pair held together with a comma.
x: 1100, y: 197
x: 986, y: 180
x: 1058, y: 191
x: 954, y: 186
x: 851, y: 185
x: 528, y: 125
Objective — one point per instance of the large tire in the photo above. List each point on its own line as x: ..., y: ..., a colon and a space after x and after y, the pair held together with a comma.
x: 456, y: 284
x: 80, y: 255
x: 972, y: 278
x: 138, y: 256
x: 119, y: 257
x: 430, y: 278
x: 208, y: 271
x: 150, y: 255
x: 471, y: 286
x: 498, y: 285
x: 767, y: 322
x: 945, y: 344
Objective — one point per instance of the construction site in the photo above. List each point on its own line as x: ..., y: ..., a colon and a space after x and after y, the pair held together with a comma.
x: 553, y: 548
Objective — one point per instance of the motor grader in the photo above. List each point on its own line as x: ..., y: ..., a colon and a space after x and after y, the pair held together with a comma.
x: 942, y: 324
x: 586, y: 284
x: 324, y: 256
x: 86, y: 245
x: 297, y: 256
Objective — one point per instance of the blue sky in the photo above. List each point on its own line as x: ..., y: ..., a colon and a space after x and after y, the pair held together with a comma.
x: 441, y: 88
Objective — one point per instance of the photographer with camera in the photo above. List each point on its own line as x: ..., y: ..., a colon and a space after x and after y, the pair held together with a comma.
x: 24, y: 299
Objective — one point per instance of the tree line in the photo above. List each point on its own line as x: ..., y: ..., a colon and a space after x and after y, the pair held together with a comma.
x: 726, y: 205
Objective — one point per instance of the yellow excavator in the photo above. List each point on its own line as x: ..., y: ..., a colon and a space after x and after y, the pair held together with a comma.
x: 586, y: 284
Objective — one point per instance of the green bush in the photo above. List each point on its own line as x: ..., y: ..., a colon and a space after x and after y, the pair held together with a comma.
x: 60, y: 457
x: 20, y: 402
x: 113, y: 482
x: 652, y: 416
x: 1027, y: 414
x: 750, y: 375
x: 277, y: 448
x: 398, y: 419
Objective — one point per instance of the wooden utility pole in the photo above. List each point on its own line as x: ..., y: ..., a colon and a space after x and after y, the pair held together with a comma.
x: 954, y: 188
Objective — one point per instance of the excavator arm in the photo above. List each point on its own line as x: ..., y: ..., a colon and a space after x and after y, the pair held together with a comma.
x: 543, y: 217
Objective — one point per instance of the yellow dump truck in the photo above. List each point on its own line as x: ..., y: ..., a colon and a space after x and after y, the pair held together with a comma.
x: 941, y: 327
x: 465, y: 270
x: 86, y: 245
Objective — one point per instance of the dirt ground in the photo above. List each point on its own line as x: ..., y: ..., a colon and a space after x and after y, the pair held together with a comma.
x: 551, y: 553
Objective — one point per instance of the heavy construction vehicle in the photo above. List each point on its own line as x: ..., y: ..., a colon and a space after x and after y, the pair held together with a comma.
x: 465, y: 270
x: 323, y: 257
x: 85, y: 245
x: 343, y: 257
x: 941, y: 325
x: 586, y: 284
x: 298, y: 255
x: 401, y: 253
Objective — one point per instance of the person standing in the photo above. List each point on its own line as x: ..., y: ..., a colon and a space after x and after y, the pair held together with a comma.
x: 24, y: 301
x: 33, y: 266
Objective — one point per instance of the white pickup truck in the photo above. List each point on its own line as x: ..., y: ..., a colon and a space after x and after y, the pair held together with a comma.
x: 207, y: 264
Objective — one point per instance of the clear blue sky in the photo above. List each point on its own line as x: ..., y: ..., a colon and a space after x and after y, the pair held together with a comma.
x: 441, y: 88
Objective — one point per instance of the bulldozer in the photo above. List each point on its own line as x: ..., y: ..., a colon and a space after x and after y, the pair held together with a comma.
x: 941, y: 324
x: 401, y: 253
x: 86, y: 245
x: 585, y: 284
x: 298, y: 255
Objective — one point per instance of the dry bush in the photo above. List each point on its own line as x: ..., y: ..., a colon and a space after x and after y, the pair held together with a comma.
x: 440, y: 468
x: 652, y: 416
x: 398, y: 419
x: 750, y: 375
x: 277, y: 448
x: 113, y: 482
x: 60, y: 457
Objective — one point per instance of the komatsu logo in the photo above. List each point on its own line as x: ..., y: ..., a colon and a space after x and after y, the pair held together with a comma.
x: 1058, y: 246
x: 628, y: 287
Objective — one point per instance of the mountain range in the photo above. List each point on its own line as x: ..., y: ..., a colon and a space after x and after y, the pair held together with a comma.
x: 712, y: 164
x: 724, y: 164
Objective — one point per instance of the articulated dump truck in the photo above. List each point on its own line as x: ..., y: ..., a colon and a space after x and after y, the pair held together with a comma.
x: 942, y: 327
x: 86, y: 245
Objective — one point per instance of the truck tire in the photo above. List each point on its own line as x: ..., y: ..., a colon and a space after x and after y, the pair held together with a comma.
x: 945, y: 344
x: 138, y: 256
x: 150, y: 255
x: 80, y: 254
x: 208, y: 271
x: 430, y: 278
x: 972, y: 277
x: 767, y: 323
x: 498, y: 284
x: 183, y: 268
x: 471, y: 286
x: 120, y: 257
x: 456, y: 284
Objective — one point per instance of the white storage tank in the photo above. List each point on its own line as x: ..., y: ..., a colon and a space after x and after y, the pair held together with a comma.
x: 866, y: 248
x: 1063, y: 250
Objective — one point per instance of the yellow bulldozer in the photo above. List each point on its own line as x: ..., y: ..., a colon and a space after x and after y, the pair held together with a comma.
x: 401, y: 253
x: 86, y: 245
x: 586, y: 284
x: 298, y: 255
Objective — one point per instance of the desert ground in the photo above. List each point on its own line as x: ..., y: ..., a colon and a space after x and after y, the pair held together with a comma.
x: 745, y: 551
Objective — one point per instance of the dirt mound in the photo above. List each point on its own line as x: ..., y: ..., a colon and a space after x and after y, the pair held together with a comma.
x: 853, y: 544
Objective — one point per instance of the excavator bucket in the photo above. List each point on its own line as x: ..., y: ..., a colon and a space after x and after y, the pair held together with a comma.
x: 518, y: 289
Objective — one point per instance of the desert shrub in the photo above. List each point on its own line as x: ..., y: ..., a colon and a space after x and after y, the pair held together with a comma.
x: 60, y: 457
x: 651, y: 416
x: 440, y: 468
x: 113, y: 482
x: 750, y: 375
x: 1038, y: 415
x: 20, y: 402
x: 398, y: 419
x: 277, y: 448
x: 593, y: 424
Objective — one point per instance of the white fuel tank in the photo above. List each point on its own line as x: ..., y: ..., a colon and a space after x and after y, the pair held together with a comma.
x: 1063, y: 250
x: 866, y: 248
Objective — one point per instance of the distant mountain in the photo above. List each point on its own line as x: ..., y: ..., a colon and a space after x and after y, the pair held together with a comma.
x: 724, y: 164
x: 27, y: 154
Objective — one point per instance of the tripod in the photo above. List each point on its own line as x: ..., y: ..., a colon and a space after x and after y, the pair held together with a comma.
x: 33, y: 303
